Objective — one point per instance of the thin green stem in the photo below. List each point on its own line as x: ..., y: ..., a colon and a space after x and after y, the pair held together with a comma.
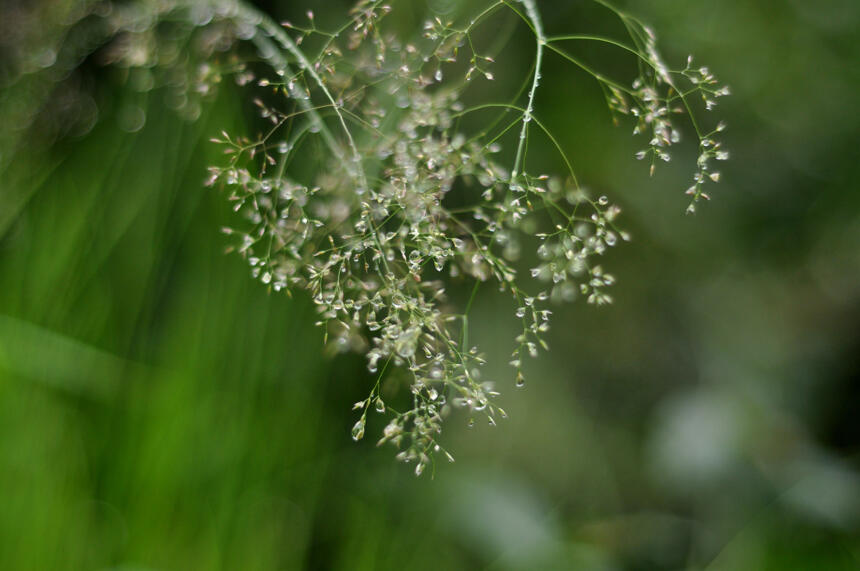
x: 600, y: 39
x: 534, y: 16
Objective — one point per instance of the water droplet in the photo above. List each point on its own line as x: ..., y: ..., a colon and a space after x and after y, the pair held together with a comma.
x: 358, y: 430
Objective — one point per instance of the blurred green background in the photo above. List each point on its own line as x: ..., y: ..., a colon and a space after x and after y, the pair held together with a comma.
x: 160, y: 410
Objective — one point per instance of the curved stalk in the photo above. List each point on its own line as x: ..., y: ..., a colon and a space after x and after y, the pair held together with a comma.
x: 275, y: 31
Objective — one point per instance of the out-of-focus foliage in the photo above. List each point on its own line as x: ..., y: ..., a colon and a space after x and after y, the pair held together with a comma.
x: 160, y: 410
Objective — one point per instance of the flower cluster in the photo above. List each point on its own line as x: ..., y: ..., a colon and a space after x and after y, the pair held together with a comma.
x: 366, y: 190
x: 656, y: 95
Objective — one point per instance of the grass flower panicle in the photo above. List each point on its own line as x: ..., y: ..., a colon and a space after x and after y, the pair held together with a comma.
x: 368, y: 191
